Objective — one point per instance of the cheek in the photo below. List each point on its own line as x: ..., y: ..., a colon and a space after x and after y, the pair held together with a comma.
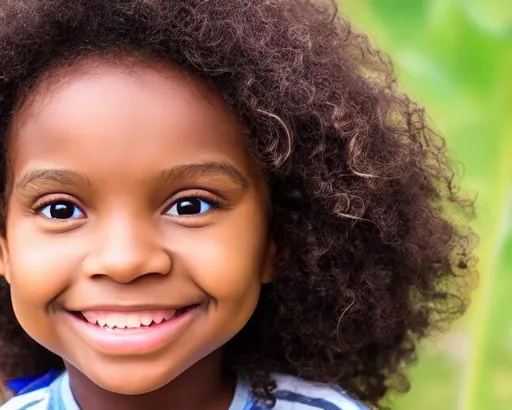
x: 41, y: 267
x: 39, y: 273
x: 228, y: 259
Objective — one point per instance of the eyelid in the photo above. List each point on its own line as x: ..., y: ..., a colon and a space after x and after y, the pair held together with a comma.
x: 215, y: 200
x: 210, y: 197
x: 43, y: 202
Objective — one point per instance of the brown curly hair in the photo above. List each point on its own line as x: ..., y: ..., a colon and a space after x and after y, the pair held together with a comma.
x: 373, y: 257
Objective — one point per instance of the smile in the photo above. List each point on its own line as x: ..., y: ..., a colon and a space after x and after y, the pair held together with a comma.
x: 127, y: 320
x: 130, y: 332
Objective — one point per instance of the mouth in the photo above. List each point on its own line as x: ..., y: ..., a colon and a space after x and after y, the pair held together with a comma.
x: 130, y: 332
x: 126, y: 320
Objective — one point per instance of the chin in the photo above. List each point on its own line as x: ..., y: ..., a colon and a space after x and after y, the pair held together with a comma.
x: 132, y: 382
x: 133, y: 385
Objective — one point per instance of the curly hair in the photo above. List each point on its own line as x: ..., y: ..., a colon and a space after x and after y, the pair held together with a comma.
x: 374, y: 250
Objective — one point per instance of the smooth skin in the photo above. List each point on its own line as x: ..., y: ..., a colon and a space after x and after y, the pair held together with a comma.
x: 104, y: 158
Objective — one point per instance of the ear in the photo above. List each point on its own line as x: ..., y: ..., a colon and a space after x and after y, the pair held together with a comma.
x: 4, y: 260
x: 269, y: 270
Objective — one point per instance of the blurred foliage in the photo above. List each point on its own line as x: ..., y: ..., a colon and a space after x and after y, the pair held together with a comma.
x: 455, y: 58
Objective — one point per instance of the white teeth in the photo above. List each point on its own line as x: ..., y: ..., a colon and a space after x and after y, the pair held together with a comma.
x: 112, y: 322
x: 159, y: 318
x: 169, y: 314
x: 131, y: 320
x: 146, y: 319
x: 118, y: 321
x: 115, y: 321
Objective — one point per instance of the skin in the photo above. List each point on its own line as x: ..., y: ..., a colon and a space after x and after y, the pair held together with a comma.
x: 129, y: 141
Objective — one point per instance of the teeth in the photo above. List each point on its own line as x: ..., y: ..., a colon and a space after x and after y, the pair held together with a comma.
x: 91, y: 317
x: 131, y: 320
x: 146, y: 319
x: 115, y: 321
x: 169, y: 314
x: 159, y: 318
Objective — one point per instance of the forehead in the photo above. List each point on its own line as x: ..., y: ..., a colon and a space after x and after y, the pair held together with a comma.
x: 126, y: 73
x: 129, y: 109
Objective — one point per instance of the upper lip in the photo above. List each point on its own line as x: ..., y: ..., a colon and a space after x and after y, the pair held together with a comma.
x: 129, y: 307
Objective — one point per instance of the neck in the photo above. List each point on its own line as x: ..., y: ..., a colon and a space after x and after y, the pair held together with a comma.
x: 205, y: 386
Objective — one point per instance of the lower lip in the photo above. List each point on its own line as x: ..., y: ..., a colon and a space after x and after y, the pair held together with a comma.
x: 133, y: 341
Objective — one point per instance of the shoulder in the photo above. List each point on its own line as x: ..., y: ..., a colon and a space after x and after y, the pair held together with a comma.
x: 292, y: 392
x: 34, y: 393
x: 35, y: 400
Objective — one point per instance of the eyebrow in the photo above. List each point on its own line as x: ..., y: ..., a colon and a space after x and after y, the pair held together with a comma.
x: 222, y: 169
x: 61, y: 176
x: 70, y: 177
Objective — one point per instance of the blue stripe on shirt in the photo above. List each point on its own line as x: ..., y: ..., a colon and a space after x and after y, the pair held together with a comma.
x: 291, y: 393
x: 310, y: 401
x: 30, y: 405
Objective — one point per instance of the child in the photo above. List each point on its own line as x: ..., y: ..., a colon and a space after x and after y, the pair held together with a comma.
x: 214, y: 205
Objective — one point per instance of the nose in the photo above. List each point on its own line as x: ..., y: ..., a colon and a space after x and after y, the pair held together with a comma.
x: 126, y: 251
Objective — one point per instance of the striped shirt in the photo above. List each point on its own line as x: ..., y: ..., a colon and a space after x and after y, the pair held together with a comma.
x: 54, y: 393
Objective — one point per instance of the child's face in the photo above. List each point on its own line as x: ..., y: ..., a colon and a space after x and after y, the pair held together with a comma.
x: 133, y: 198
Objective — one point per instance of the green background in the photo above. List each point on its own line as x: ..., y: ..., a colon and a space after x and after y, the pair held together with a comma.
x: 455, y: 58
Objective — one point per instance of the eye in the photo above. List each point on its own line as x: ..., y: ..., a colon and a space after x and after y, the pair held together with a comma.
x: 190, y: 206
x: 61, y: 210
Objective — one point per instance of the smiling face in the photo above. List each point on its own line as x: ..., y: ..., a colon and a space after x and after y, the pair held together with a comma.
x: 137, y: 237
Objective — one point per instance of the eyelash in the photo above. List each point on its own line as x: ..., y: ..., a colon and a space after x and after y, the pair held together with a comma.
x: 211, y: 199
x: 51, y: 200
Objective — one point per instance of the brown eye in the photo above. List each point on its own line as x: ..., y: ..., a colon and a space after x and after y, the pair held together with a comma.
x: 190, y: 206
x: 61, y: 210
